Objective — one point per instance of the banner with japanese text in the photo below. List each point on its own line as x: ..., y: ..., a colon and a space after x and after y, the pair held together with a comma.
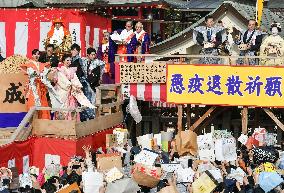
x: 225, y: 85
x: 12, y: 96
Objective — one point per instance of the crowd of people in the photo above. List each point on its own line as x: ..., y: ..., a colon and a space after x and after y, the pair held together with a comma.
x: 256, y: 169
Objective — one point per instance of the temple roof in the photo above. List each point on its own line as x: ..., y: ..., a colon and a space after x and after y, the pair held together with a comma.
x: 21, y: 3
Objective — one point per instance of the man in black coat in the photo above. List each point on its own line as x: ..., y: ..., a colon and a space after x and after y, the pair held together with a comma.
x: 49, y: 56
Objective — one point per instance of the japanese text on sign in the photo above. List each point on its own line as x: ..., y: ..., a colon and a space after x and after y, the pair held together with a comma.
x: 12, y: 95
x: 225, y: 85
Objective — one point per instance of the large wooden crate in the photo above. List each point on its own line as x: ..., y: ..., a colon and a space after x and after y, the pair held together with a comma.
x: 108, y: 99
x: 73, y: 129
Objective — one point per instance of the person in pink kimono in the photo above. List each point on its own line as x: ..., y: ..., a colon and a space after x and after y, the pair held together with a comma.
x: 68, y: 90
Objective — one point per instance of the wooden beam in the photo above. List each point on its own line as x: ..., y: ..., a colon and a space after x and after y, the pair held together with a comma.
x: 179, y: 123
x: 274, y: 118
x: 217, y: 112
x: 244, y: 120
x: 201, y: 119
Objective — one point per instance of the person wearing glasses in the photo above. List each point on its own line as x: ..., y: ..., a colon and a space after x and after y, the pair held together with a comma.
x: 49, y: 56
x: 249, y: 42
x: 126, y: 41
x: 143, y: 41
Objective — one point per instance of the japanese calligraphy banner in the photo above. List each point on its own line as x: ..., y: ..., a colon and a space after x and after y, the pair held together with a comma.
x: 225, y: 85
x: 12, y: 97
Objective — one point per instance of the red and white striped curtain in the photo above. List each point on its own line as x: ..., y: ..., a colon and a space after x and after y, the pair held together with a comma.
x: 22, y: 30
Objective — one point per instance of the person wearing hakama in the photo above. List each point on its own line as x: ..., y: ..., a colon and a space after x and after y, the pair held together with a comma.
x: 106, y: 52
x: 273, y: 46
x: 36, y: 91
x: 249, y: 44
x: 210, y: 38
x: 126, y: 41
x: 143, y: 41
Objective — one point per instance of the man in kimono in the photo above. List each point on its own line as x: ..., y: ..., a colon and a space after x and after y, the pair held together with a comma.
x: 78, y: 63
x: 143, y: 41
x: 93, y: 69
x: 249, y: 43
x: 210, y: 38
x: 126, y: 41
x: 49, y: 56
x: 106, y: 52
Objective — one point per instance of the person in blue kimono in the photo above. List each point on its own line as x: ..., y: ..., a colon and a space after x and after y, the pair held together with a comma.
x: 106, y: 52
x: 143, y: 41
x: 126, y: 41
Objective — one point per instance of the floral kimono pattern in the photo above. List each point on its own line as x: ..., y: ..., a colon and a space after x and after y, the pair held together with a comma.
x: 272, y: 46
x: 69, y: 91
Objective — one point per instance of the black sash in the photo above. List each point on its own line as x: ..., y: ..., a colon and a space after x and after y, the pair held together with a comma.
x: 245, y: 37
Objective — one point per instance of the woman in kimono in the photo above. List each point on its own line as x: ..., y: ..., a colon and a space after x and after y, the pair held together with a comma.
x: 69, y: 91
x: 273, y: 46
x: 36, y: 94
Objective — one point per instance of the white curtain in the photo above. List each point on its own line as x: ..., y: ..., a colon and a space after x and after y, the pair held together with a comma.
x: 44, y: 29
x: 3, y: 39
x: 75, y: 31
x: 96, y: 38
x: 87, y: 37
x: 21, y: 38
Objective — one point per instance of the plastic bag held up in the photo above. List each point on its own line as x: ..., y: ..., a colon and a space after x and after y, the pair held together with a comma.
x: 132, y: 108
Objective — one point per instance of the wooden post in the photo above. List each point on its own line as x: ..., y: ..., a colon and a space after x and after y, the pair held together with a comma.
x: 188, y: 115
x: 245, y: 120
x: 156, y: 122
x: 179, y: 123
